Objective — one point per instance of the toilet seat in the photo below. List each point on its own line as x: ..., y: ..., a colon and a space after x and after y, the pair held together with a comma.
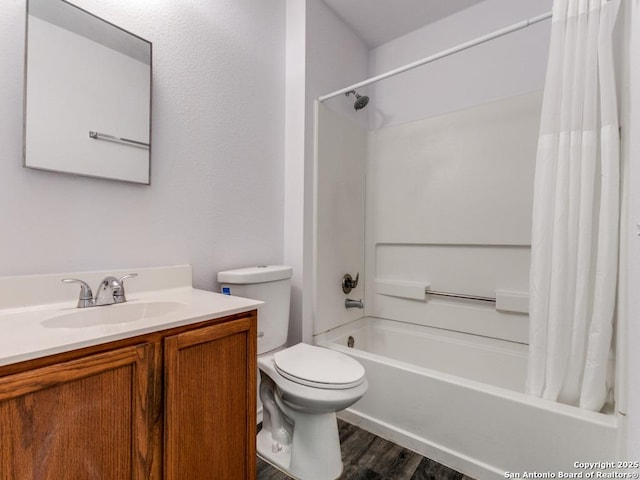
x: 318, y: 367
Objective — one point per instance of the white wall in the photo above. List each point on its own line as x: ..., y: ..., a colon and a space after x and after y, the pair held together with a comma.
x: 510, y: 66
x: 504, y: 67
x: 294, y: 171
x: 341, y: 161
x: 633, y: 307
x: 334, y: 57
x: 465, y: 177
x: 449, y: 201
x: 449, y: 197
x: 216, y: 199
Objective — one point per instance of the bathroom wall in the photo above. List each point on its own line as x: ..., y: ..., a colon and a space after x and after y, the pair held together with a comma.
x: 294, y: 169
x: 450, y: 172
x: 216, y: 199
x: 500, y: 69
x: 410, y: 97
x: 504, y: 67
x: 333, y: 57
x: 449, y: 201
x: 341, y: 162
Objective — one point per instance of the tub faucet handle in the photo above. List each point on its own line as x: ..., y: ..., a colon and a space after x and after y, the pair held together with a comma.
x: 348, y: 282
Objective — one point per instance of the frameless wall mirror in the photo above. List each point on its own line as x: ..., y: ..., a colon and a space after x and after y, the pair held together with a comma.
x: 87, y: 95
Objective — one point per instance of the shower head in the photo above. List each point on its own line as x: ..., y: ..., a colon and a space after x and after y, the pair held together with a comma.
x: 361, y: 100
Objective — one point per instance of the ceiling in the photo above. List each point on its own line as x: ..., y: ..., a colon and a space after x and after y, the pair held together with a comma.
x: 379, y: 21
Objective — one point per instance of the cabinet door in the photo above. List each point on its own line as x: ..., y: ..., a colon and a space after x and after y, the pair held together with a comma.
x: 210, y: 402
x: 82, y: 419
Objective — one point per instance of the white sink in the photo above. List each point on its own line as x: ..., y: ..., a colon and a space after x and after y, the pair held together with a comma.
x: 38, y: 316
x: 118, y: 314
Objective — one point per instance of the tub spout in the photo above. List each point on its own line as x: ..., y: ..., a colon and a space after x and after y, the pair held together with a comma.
x: 349, y: 303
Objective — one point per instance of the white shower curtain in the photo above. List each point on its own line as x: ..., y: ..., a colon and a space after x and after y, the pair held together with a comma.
x: 574, y: 247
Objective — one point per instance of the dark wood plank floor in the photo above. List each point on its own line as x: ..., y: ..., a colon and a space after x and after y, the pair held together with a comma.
x: 368, y: 457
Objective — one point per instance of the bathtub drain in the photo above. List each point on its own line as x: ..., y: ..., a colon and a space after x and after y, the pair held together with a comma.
x: 350, y: 341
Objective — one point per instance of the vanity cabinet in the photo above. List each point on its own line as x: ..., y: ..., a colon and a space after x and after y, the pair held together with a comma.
x: 74, y: 418
x: 209, y: 416
x: 175, y: 404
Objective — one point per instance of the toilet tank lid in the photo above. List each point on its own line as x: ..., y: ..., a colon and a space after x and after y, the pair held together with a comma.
x: 259, y: 274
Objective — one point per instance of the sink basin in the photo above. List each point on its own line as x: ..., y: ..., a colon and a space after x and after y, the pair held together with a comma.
x: 112, y: 314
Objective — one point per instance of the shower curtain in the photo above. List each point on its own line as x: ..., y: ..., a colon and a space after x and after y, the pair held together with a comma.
x: 574, y: 247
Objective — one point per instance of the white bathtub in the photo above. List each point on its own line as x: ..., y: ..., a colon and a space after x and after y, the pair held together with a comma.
x: 458, y: 399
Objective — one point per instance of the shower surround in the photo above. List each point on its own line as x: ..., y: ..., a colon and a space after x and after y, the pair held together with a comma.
x: 443, y: 203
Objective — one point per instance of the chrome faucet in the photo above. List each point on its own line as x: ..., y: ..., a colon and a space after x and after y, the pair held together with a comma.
x: 86, y: 295
x: 349, y: 303
x: 110, y: 291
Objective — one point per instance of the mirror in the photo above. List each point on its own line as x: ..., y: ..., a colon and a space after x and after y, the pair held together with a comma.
x: 87, y: 95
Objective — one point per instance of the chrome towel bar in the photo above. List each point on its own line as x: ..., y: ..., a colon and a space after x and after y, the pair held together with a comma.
x: 461, y: 295
x: 126, y: 141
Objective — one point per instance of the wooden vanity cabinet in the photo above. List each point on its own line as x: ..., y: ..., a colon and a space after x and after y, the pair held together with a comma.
x: 76, y: 419
x: 175, y: 404
x: 210, y: 424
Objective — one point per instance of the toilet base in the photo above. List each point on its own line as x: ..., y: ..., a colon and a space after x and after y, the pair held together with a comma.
x: 279, y: 459
x: 314, y: 453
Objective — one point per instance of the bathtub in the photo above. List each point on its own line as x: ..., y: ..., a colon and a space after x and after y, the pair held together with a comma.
x: 459, y: 399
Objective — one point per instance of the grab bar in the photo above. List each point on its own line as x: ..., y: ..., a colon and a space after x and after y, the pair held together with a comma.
x: 127, y: 141
x: 460, y: 295
x: 505, y: 300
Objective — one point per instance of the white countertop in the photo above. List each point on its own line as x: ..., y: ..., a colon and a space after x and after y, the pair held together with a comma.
x: 31, y: 332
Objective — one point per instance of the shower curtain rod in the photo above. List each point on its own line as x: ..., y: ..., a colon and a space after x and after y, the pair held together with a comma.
x: 442, y: 54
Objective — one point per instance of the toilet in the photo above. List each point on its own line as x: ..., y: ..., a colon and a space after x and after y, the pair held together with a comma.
x: 301, y: 387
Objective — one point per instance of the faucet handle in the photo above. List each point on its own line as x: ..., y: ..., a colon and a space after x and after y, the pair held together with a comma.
x: 86, y: 295
x: 128, y: 275
x: 118, y: 290
x: 349, y: 283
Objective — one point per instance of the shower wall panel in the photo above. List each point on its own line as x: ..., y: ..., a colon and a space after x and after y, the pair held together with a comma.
x: 341, y: 152
x: 461, y: 178
x: 449, y: 205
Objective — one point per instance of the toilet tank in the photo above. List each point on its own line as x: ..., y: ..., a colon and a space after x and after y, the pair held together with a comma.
x: 272, y: 285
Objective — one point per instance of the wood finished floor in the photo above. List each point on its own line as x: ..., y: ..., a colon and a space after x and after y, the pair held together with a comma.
x: 368, y: 457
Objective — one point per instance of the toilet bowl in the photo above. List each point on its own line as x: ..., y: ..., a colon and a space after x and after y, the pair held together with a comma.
x: 302, y: 388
